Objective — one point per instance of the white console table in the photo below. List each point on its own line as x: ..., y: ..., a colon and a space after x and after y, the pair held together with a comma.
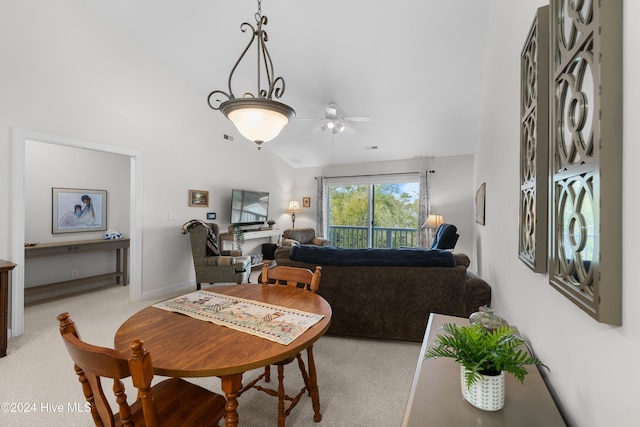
x: 250, y: 235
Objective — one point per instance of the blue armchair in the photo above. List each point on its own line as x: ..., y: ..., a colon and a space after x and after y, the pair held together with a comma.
x: 446, y: 237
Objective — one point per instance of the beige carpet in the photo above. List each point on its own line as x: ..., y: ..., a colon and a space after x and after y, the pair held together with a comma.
x: 362, y: 382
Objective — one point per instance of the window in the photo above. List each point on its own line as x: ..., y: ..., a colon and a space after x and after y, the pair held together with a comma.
x: 374, y: 214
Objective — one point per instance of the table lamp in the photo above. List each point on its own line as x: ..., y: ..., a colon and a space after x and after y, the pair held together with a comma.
x: 433, y: 221
x: 294, y: 207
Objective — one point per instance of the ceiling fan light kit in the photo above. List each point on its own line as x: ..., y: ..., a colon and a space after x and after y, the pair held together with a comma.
x: 257, y: 117
x: 335, y: 121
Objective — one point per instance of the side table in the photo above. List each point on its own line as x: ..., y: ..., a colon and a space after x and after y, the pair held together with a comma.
x: 5, y: 268
x: 436, y: 398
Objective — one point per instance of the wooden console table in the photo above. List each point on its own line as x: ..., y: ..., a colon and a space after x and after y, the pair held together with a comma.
x: 436, y: 398
x: 81, y: 246
x: 5, y: 268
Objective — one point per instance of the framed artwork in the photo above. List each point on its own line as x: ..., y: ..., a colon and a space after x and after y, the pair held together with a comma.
x: 76, y: 210
x: 199, y: 198
x: 480, y: 203
x: 585, y: 158
x: 534, y: 144
x: 306, y: 202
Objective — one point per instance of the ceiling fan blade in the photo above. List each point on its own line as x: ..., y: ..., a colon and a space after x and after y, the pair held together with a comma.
x: 357, y: 119
x: 320, y: 128
x: 349, y: 130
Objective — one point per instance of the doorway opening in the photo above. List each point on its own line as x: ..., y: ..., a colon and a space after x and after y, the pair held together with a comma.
x: 20, y: 137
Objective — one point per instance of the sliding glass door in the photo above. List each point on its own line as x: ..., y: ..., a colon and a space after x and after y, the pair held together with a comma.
x: 374, y: 215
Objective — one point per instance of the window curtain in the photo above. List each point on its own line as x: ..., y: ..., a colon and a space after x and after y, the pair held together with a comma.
x: 423, y: 208
x: 321, y: 212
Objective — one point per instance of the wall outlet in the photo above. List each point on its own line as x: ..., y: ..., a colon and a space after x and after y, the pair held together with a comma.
x: 74, y: 274
x: 171, y: 215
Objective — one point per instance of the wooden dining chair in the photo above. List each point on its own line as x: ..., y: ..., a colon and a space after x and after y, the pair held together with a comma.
x: 295, y: 277
x: 172, y: 402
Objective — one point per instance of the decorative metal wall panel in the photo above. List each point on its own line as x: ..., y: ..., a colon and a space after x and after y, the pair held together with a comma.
x: 534, y: 144
x: 586, y: 157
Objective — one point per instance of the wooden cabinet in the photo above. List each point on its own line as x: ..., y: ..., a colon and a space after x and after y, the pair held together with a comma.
x: 5, y: 268
x: 436, y: 398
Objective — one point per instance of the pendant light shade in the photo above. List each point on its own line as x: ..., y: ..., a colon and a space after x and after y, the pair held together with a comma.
x: 259, y: 120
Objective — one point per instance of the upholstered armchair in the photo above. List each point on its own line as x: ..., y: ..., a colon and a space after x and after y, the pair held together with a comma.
x: 446, y: 237
x: 302, y: 236
x: 226, y: 267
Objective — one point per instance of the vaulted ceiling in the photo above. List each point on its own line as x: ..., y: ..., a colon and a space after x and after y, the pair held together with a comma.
x: 413, y: 66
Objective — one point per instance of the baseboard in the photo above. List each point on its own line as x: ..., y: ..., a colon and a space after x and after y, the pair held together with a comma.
x: 170, y: 290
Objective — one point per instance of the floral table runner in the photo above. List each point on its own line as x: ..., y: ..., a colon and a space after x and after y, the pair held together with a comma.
x: 275, y: 323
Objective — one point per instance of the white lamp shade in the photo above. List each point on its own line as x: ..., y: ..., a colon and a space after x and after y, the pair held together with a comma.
x: 433, y: 221
x: 258, y: 125
x: 294, y: 206
x: 257, y: 119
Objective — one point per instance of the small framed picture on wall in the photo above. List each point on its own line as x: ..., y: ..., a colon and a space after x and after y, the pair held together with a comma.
x: 199, y: 198
x: 306, y: 202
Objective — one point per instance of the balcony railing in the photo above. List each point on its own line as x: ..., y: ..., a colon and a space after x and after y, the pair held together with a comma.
x: 357, y: 237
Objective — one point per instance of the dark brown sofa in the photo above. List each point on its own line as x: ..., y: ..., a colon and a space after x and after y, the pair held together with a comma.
x: 394, y: 302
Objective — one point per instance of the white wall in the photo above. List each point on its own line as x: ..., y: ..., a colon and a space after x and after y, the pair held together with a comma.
x: 48, y: 166
x: 65, y: 71
x: 592, y: 364
x: 451, y: 189
x: 452, y: 196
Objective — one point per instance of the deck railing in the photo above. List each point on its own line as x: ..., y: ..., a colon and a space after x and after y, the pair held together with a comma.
x: 383, y: 237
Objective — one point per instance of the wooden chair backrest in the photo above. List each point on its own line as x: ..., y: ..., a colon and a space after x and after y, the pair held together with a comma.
x: 92, y: 363
x: 292, y: 276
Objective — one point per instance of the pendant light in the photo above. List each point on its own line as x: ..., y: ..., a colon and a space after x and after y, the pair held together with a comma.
x: 257, y: 117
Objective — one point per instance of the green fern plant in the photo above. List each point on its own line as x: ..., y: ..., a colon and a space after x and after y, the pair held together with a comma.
x: 482, y: 352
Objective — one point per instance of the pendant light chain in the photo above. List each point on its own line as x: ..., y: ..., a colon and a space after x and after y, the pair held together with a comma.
x: 259, y: 34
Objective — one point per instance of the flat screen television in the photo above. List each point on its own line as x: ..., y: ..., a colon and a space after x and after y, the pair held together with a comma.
x: 249, y: 207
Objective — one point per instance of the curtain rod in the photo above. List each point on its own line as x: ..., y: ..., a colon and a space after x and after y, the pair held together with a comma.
x: 377, y: 174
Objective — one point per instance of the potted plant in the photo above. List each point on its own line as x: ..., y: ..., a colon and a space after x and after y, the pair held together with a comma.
x: 270, y: 223
x: 239, y: 236
x: 484, y: 357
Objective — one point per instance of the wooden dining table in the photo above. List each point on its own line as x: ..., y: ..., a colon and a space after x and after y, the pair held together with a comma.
x: 182, y: 346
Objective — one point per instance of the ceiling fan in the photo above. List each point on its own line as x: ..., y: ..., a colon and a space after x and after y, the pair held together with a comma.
x: 334, y: 121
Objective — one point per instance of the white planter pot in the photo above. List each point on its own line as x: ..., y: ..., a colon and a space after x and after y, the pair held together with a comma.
x: 486, y: 394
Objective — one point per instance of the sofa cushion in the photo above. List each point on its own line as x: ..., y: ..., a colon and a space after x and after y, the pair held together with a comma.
x: 328, y: 255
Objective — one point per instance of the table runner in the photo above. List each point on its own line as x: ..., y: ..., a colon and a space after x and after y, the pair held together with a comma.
x: 275, y: 323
